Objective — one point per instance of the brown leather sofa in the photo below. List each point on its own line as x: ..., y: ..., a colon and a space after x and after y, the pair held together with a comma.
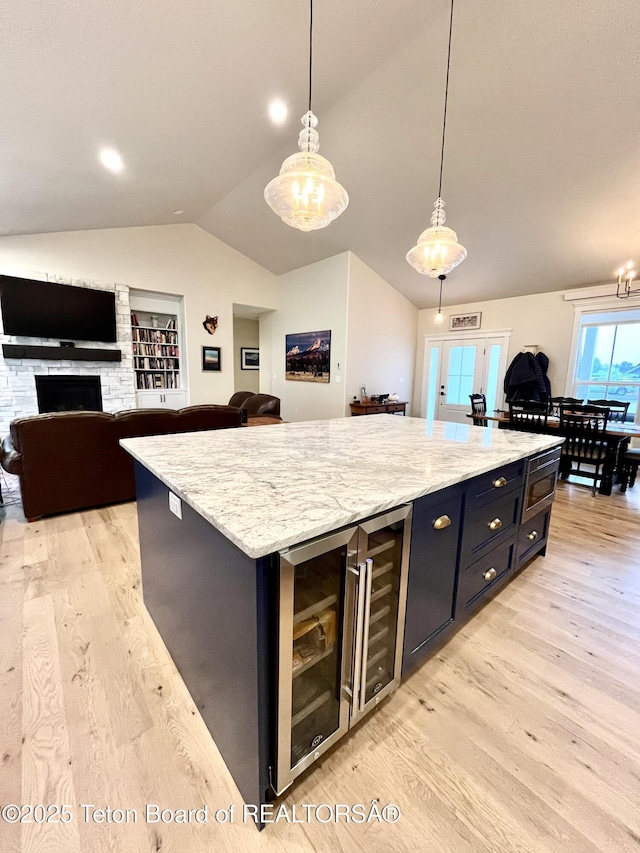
x: 256, y: 405
x: 73, y: 460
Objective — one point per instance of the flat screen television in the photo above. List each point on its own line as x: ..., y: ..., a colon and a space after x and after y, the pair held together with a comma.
x: 44, y: 309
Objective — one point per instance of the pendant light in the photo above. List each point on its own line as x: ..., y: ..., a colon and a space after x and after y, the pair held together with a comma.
x: 438, y: 251
x: 439, y: 318
x: 306, y: 194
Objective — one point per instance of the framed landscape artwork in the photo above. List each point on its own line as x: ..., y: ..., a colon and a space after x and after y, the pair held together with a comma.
x: 211, y: 359
x: 462, y: 322
x: 308, y: 356
x: 249, y: 358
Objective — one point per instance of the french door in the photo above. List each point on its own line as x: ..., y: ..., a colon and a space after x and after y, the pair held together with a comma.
x: 457, y: 366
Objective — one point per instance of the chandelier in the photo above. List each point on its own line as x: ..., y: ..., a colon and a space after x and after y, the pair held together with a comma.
x: 626, y: 275
x: 438, y: 251
x: 306, y: 194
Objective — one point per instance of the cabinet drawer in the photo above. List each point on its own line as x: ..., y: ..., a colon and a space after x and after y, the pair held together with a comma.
x: 532, y: 536
x: 486, y: 524
x: 479, y: 577
x: 375, y: 410
x: 396, y: 407
x: 495, y: 483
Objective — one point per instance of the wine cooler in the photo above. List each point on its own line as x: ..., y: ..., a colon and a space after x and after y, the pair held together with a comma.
x: 341, y: 625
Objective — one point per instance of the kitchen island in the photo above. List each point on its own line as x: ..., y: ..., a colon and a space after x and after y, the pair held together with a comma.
x: 425, y: 518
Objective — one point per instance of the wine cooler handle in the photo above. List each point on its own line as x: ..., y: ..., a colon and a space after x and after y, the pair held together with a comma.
x: 364, y: 643
x: 357, y: 648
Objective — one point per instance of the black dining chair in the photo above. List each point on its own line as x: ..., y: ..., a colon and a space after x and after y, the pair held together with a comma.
x: 617, y: 409
x: 629, y: 468
x: 587, y: 450
x: 479, y: 407
x: 528, y: 416
x: 555, y: 403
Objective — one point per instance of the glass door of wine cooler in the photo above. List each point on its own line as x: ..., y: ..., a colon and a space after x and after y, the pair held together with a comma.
x: 383, y: 561
x: 315, y: 631
x: 341, y: 626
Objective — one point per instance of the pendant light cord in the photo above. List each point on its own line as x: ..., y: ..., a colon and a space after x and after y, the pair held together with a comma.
x: 446, y: 96
x: 311, y: 47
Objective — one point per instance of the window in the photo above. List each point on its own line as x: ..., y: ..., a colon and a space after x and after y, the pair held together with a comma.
x: 608, y: 358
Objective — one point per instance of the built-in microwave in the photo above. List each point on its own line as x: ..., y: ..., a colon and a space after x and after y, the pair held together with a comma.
x: 541, y: 476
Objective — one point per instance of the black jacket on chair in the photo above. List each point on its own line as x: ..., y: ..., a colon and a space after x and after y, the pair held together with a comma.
x: 525, y: 380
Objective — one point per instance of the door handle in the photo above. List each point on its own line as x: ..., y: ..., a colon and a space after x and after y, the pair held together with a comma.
x: 500, y: 482
x: 490, y: 574
x: 357, y: 649
x: 368, y: 569
x: 496, y: 524
x: 441, y: 522
x: 533, y: 535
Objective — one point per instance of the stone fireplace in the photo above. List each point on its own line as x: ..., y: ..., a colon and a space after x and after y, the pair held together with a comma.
x: 18, y: 376
x: 69, y: 393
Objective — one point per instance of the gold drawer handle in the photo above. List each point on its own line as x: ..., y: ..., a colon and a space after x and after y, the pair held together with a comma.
x: 533, y: 535
x: 500, y: 482
x: 496, y: 524
x: 442, y: 522
x: 490, y: 575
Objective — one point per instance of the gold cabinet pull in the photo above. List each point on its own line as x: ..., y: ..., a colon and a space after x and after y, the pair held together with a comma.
x: 500, y: 482
x: 496, y: 524
x: 490, y: 574
x: 533, y: 535
x: 442, y: 522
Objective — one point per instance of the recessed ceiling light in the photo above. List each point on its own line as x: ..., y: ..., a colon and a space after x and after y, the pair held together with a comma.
x: 177, y: 211
x: 111, y: 160
x: 278, y: 111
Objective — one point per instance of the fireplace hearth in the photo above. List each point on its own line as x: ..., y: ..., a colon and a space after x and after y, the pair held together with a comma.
x: 69, y: 393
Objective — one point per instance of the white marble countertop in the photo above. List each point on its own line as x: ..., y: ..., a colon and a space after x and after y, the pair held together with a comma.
x: 270, y: 487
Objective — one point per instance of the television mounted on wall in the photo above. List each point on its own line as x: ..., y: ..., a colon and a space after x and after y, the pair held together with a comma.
x: 45, y: 309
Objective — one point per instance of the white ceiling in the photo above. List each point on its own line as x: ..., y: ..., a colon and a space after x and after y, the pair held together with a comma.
x: 542, y: 163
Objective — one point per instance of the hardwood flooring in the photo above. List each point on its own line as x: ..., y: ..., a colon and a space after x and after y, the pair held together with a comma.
x: 522, y: 734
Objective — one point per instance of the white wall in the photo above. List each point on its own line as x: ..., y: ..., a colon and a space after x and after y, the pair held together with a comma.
x: 544, y: 319
x: 246, y: 333
x: 381, y: 334
x: 313, y: 298
x: 179, y: 259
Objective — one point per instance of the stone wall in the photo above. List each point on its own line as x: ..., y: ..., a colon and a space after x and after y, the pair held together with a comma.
x: 17, y: 376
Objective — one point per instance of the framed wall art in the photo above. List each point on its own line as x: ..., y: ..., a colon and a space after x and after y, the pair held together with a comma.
x: 464, y: 322
x: 211, y: 359
x: 308, y: 356
x: 249, y: 358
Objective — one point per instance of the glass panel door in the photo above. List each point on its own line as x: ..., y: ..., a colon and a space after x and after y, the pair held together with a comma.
x: 312, y: 710
x: 383, y: 549
x: 462, y: 375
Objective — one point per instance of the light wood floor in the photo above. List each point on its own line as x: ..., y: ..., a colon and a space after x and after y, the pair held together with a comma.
x: 523, y: 734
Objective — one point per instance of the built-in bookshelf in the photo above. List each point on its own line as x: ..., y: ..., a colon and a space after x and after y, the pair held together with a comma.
x: 156, y: 351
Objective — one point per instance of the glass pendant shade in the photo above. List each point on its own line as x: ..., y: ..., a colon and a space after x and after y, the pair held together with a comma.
x: 437, y: 251
x: 306, y: 194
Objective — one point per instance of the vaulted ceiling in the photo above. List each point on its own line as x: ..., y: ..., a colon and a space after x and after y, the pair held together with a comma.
x: 542, y: 162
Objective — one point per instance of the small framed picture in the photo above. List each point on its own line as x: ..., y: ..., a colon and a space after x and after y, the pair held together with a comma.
x: 463, y: 322
x: 211, y: 358
x: 249, y: 358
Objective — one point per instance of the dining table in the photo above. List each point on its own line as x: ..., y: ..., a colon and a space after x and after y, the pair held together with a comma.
x: 619, y: 434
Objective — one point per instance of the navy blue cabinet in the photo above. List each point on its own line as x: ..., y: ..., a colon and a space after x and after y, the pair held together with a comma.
x: 432, y: 571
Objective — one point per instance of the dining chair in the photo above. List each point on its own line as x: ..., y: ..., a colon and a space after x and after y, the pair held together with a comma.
x: 479, y: 407
x: 555, y: 402
x: 587, y: 449
x: 617, y: 409
x: 528, y: 416
x: 630, y: 464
